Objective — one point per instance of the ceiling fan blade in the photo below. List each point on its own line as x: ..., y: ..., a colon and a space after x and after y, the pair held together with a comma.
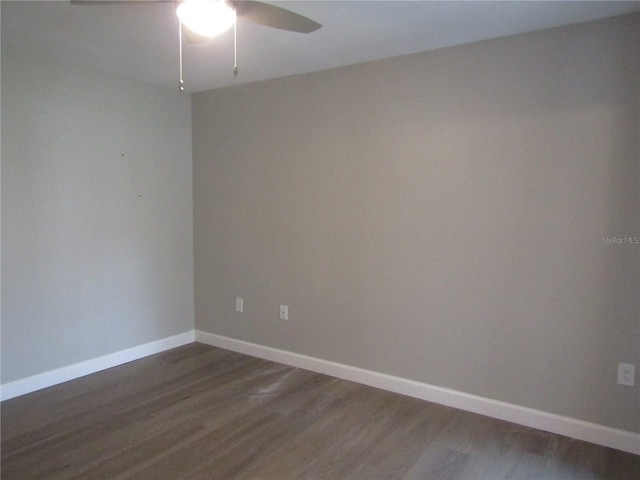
x: 272, y: 16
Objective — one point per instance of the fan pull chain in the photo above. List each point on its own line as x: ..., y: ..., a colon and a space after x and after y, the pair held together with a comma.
x: 235, y: 44
x: 181, y: 82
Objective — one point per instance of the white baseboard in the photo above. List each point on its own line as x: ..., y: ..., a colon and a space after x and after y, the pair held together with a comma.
x: 570, y: 427
x: 70, y: 372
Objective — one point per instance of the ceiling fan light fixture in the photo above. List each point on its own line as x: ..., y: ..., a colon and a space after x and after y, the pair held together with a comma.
x: 206, y: 17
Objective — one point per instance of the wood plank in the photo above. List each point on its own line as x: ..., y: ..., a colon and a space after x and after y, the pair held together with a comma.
x: 438, y: 463
x: 199, y: 412
x: 340, y: 416
x: 210, y: 408
x: 71, y: 430
x: 192, y: 455
x: 393, y: 457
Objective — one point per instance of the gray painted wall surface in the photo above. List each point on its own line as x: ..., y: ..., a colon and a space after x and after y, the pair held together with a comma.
x: 97, y: 214
x: 439, y: 217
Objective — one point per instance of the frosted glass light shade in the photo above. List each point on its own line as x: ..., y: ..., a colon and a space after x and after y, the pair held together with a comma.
x: 206, y: 17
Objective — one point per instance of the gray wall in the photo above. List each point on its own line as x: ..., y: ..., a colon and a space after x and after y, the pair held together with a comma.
x: 438, y: 217
x: 97, y: 214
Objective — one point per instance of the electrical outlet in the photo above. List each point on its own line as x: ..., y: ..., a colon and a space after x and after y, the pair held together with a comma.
x: 284, y: 312
x: 626, y: 374
x: 239, y: 304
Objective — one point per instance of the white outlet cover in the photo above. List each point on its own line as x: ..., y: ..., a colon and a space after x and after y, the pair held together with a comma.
x: 626, y: 374
x: 284, y: 312
x: 239, y: 304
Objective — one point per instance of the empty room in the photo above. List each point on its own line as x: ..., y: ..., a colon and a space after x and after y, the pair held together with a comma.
x: 320, y: 239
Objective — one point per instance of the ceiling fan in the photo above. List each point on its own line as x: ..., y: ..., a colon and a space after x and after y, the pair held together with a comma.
x: 206, y: 18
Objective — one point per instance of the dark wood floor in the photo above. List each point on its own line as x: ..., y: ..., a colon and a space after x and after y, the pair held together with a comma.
x: 199, y: 412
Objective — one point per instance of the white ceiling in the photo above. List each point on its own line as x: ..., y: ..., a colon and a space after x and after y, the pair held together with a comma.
x: 141, y: 41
